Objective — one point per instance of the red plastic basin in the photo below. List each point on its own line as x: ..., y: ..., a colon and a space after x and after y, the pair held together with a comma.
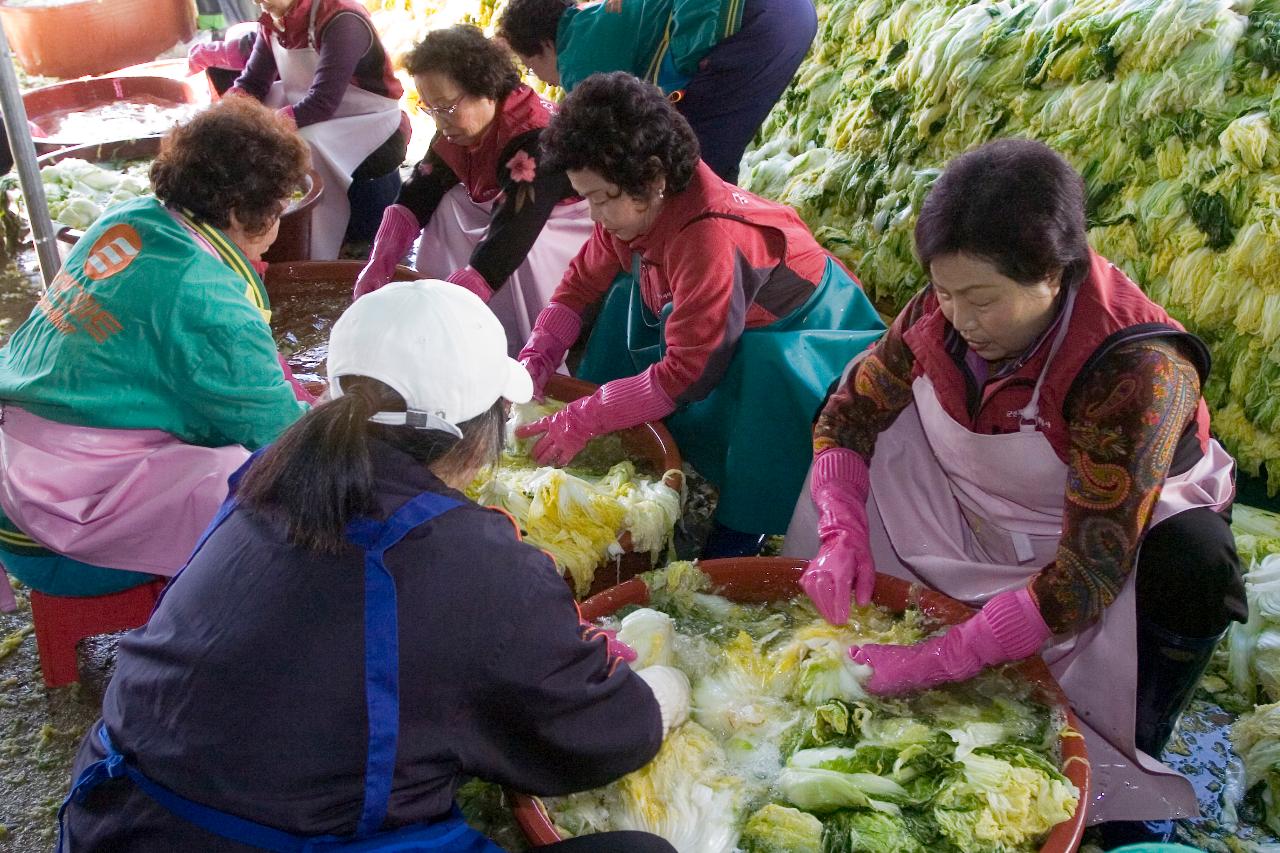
x: 759, y: 579
x: 48, y: 106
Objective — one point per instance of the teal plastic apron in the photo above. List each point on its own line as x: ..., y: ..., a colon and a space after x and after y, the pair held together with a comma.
x: 752, y: 435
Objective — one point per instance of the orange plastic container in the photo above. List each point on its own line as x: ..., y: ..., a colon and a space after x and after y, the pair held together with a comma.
x: 95, y: 36
x: 758, y: 579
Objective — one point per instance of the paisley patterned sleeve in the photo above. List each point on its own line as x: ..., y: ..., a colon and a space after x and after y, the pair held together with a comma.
x: 1126, y: 418
x: 878, y: 388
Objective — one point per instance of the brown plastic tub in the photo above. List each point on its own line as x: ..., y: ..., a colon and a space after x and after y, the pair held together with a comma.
x: 292, y: 243
x: 757, y: 579
x: 95, y: 36
x: 652, y: 445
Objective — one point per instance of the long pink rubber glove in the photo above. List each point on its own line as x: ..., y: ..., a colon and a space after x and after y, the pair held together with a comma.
x: 473, y: 281
x: 839, y: 486
x: 216, y: 54
x: 396, y: 233
x: 615, y: 405
x: 554, y: 332
x: 1009, y: 627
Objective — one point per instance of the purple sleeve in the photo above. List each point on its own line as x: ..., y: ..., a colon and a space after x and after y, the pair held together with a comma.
x: 343, y: 43
x: 260, y: 72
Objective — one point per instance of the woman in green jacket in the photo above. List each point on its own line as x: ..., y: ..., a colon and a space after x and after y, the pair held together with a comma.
x: 725, y: 63
x: 147, y: 370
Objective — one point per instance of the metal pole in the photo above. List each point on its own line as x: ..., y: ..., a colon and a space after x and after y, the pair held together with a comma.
x: 24, y: 158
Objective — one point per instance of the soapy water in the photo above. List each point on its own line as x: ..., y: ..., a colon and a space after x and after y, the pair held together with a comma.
x: 129, y: 118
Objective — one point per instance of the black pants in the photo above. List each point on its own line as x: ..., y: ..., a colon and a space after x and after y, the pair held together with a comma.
x: 1189, y: 580
x: 613, y: 842
x: 743, y: 76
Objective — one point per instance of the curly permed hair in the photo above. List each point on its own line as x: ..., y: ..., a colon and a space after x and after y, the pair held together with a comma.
x: 626, y: 131
x: 527, y: 24
x: 482, y: 68
x: 237, y: 155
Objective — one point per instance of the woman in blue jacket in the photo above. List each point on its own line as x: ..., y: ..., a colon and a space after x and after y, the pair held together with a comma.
x: 354, y: 638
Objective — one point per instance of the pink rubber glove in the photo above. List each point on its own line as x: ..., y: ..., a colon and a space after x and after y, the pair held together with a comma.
x: 473, y: 281
x: 1009, y: 627
x: 615, y: 405
x: 216, y: 54
x: 554, y: 332
x: 395, y: 236
x: 839, y: 486
x: 286, y: 113
x: 615, y: 647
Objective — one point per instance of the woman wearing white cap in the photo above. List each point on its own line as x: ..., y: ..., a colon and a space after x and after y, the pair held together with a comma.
x: 353, y: 637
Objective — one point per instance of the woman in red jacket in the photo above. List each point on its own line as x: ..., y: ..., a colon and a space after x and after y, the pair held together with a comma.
x: 724, y: 303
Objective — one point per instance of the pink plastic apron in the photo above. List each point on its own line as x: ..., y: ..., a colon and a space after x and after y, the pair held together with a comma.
x: 459, y: 224
x: 134, y: 499
x: 972, y: 515
x: 362, y: 122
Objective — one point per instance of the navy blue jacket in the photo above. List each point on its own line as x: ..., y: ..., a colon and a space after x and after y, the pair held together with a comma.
x: 245, y: 691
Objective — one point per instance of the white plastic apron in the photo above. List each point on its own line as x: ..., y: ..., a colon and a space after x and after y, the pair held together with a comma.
x: 362, y: 122
x: 972, y: 515
x: 459, y: 224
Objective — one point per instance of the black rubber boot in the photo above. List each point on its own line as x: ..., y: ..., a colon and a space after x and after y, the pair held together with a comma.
x: 727, y: 542
x: 1169, y: 668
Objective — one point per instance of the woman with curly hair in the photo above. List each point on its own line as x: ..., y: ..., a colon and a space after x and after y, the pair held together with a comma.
x: 147, y: 370
x: 728, y: 304
x: 724, y: 63
x: 497, y: 221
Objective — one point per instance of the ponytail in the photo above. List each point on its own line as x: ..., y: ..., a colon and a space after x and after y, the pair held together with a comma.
x: 318, y: 476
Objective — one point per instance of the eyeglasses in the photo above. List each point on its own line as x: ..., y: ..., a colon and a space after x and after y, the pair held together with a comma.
x: 440, y: 112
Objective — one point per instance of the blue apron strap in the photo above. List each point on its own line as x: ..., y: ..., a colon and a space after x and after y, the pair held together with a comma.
x: 382, y: 648
x: 114, y: 766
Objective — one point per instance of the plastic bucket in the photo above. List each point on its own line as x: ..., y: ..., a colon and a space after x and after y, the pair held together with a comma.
x: 293, y: 242
x: 649, y: 443
x: 757, y: 579
x: 95, y: 36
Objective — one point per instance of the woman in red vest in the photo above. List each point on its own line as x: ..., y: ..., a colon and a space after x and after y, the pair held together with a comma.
x: 1030, y: 437
x: 321, y: 63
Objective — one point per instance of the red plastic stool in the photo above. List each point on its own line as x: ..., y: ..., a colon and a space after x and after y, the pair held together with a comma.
x: 63, y: 621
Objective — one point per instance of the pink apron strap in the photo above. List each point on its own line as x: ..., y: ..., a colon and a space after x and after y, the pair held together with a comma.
x: 8, y: 603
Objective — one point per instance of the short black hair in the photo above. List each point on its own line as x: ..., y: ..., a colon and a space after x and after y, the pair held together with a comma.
x: 626, y: 131
x: 481, y: 68
x: 1015, y: 203
x: 527, y: 24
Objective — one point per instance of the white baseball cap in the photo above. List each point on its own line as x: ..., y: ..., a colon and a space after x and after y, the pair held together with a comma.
x: 436, y: 344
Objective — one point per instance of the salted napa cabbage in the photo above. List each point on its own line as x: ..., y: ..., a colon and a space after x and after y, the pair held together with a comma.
x: 684, y: 795
x: 1006, y: 795
x: 651, y: 634
x: 1256, y: 738
x: 778, y: 829
x: 577, y: 514
x: 870, y: 832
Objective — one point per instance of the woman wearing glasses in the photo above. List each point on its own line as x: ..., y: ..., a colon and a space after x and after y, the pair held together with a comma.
x: 492, y: 219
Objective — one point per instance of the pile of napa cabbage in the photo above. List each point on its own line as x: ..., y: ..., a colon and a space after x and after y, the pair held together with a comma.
x: 1168, y: 108
x: 785, y: 751
x: 579, y: 514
